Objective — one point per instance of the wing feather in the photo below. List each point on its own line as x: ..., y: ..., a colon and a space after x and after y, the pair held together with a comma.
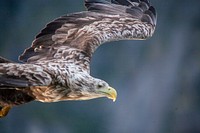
x: 83, y: 32
x: 13, y: 81
x: 23, y: 75
x: 4, y: 60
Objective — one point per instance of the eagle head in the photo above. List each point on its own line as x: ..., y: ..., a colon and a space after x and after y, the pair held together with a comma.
x: 90, y: 88
x: 103, y: 89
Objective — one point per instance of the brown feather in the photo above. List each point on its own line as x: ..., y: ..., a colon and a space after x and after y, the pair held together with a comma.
x: 85, y: 31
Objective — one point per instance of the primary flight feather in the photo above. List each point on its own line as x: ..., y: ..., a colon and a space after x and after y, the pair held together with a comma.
x: 56, y: 66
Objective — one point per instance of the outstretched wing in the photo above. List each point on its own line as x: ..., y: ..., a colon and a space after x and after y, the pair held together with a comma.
x: 77, y: 36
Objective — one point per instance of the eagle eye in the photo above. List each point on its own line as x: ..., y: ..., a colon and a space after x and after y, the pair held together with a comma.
x: 100, y: 85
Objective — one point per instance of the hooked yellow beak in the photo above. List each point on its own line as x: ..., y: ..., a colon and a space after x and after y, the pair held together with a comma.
x: 110, y: 93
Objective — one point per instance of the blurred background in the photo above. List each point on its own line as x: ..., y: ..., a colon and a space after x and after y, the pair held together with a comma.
x: 158, y: 80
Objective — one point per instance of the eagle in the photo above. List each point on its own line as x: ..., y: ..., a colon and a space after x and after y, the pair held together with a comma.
x: 56, y: 67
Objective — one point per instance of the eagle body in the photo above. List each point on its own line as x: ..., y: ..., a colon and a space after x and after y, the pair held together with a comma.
x: 56, y: 67
x: 47, y: 81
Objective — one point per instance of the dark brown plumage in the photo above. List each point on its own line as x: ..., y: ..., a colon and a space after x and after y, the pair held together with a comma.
x: 56, y: 66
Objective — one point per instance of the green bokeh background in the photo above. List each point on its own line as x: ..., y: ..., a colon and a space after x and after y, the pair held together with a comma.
x: 158, y: 80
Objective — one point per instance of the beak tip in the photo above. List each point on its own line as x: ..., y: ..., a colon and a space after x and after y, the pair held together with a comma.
x: 114, y: 100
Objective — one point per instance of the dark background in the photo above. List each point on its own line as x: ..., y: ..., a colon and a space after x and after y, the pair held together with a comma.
x: 158, y: 80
